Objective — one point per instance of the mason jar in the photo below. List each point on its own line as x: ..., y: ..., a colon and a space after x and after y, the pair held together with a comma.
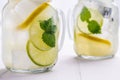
x: 31, y: 35
x: 95, y: 24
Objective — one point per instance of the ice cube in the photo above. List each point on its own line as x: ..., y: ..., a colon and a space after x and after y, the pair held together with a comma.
x: 20, y: 60
x: 24, y: 8
x: 107, y: 12
x: 20, y: 38
x: 12, y: 20
x: 104, y: 9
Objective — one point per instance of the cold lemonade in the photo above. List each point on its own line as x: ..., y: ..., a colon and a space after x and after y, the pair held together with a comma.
x: 95, y: 32
x: 30, y: 39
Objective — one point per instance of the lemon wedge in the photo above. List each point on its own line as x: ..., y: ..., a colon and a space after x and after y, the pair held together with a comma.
x: 92, y: 46
x: 32, y: 16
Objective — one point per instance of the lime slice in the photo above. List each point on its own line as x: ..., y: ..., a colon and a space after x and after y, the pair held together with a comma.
x: 92, y: 46
x: 32, y: 16
x: 95, y: 15
x: 41, y: 58
x: 35, y: 30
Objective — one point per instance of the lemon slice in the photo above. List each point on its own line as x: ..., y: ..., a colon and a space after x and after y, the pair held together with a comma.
x: 32, y: 16
x: 92, y: 46
x: 41, y: 58
x: 95, y: 15
x: 36, y: 33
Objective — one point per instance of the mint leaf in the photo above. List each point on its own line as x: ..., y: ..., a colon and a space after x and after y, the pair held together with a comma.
x: 85, y: 14
x: 94, y: 27
x: 48, y: 26
x: 43, y: 24
x: 49, y: 39
x: 53, y: 28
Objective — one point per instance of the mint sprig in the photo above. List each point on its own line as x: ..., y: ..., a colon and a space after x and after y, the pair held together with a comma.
x: 93, y: 25
x: 49, y: 32
x: 48, y: 26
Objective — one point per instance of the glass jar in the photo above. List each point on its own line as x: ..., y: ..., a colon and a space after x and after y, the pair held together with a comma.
x: 95, y: 24
x: 31, y: 35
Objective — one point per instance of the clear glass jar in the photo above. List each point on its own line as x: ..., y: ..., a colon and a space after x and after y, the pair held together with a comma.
x: 31, y: 40
x: 96, y: 24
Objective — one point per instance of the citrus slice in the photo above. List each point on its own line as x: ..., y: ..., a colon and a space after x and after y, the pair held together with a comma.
x: 36, y: 34
x: 95, y: 15
x: 92, y: 46
x: 41, y: 58
x: 32, y: 16
x: 35, y: 30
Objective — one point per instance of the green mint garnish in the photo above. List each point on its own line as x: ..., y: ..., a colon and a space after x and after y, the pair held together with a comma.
x: 43, y: 24
x: 49, y: 39
x: 85, y: 14
x: 48, y: 36
x: 48, y: 26
x: 93, y: 25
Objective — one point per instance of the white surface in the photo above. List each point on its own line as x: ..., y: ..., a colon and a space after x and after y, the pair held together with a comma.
x: 68, y: 66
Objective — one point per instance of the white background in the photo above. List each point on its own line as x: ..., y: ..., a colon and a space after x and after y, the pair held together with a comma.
x: 69, y: 67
